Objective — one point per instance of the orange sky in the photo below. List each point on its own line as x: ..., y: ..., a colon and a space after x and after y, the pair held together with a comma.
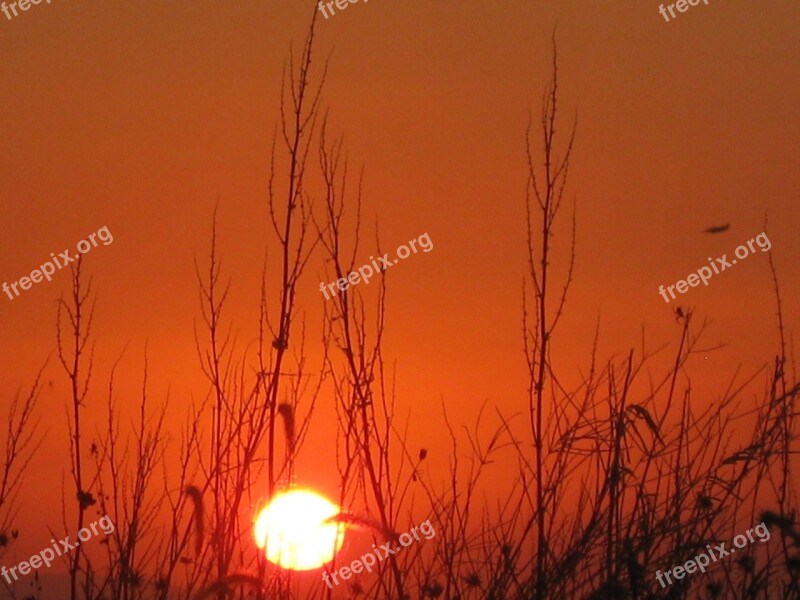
x: 142, y: 116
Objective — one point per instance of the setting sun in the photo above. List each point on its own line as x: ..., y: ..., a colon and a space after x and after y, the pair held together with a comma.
x: 294, y: 530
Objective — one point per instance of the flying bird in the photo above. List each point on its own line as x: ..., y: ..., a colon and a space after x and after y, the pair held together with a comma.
x: 718, y: 228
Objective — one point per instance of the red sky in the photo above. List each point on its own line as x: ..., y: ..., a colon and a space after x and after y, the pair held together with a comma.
x: 142, y: 116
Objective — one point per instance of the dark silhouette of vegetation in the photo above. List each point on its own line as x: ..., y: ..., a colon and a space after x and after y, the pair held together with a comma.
x: 624, y: 474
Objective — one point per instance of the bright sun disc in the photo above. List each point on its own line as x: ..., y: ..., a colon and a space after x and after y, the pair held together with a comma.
x: 293, y: 529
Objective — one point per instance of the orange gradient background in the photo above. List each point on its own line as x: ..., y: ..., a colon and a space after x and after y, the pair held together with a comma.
x: 143, y: 116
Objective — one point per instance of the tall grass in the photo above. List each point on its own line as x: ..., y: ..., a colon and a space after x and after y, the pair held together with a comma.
x: 620, y: 475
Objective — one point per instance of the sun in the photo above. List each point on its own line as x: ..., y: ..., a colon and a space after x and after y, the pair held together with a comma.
x: 294, y: 530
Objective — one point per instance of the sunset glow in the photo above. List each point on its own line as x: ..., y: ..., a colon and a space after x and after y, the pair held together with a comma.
x: 229, y: 342
x: 294, y: 531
